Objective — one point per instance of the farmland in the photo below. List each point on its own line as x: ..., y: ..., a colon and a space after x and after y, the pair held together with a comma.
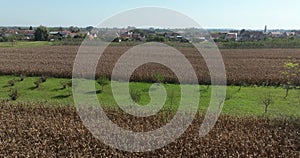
x: 43, y: 120
x: 36, y: 130
x: 251, y: 66
x: 22, y: 44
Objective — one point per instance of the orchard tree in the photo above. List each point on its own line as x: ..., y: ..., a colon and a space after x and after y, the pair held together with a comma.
x: 135, y: 95
x: 267, y: 100
x: 41, y: 34
x: 159, y: 78
x: 103, y: 81
x: 290, y: 75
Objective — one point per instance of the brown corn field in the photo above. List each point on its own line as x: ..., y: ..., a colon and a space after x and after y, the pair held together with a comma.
x: 250, y: 66
x: 34, y: 130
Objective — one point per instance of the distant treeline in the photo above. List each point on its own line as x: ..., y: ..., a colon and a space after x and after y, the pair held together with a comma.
x: 268, y: 43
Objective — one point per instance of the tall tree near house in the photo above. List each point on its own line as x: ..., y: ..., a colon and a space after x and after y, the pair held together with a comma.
x: 242, y: 31
x: 60, y: 29
x: 89, y: 28
x: 41, y: 34
x: 74, y: 29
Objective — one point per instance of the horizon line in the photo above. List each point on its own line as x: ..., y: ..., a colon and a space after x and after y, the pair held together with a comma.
x: 206, y: 28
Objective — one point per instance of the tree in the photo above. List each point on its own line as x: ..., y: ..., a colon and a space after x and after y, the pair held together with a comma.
x: 66, y: 84
x: 2, y: 39
x: 12, y: 39
x: 159, y: 78
x: 11, y: 82
x: 242, y: 31
x: 102, y: 81
x: 135, y: 95
x: 30, y: 28
x: 267, y: 100
x: 89, y: 28
x: 41, y: 34
x: 79, y: 35
x: 74, y: 29
x: 290, y: 74
x: 172, y: 97
x: 60, y: 29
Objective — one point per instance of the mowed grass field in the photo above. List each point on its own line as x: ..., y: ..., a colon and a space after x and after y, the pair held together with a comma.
x: 239, y: 100
x: 24, y: 44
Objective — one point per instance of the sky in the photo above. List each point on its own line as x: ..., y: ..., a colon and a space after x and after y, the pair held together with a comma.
x: 238, y: 14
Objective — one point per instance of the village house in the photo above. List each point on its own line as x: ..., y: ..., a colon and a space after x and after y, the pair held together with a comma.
x: 297, y: 34
x: 130, y: 35
x: 231, y: 36
x: 217, y: 36
x: 172, y: 35
x: 276, y: 34
x: 27, y: 34
x: 21, y: 34
x: 288, y: 34
x: 251, y: 36
x: 10, y: 33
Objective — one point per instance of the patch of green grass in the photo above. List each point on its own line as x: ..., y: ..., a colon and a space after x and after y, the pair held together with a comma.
x: 49, y: 92
x: 247, y: 101
x: 24, y: 44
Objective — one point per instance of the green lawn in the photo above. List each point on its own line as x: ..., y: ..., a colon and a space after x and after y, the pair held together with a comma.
x: 247, y: 101
x: 24, y: 44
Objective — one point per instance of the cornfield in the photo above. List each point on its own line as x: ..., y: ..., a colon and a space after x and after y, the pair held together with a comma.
x: 249, y: 66
x: 34, y: 130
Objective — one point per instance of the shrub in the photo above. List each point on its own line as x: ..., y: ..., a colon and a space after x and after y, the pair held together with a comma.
x: 11, y: 82
x: 37, y: 83
x: 228, y: 96
x: 241, y: 84
x: 159, y: 78
x: 13, y: 94
x: 102, y: 81
x: 43, y: 78
x: 66, y: 84
x: 135, y: 95
x: 22, y: 77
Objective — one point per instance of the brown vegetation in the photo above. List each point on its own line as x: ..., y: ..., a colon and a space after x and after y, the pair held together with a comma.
x: 250, y: 66
x: 39, y: 131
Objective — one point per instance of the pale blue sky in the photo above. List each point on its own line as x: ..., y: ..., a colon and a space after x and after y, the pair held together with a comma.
x: 249, y: 14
